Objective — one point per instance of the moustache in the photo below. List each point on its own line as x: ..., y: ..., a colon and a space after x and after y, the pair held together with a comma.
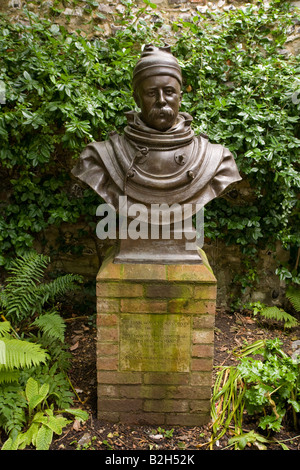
x: 165, y: 111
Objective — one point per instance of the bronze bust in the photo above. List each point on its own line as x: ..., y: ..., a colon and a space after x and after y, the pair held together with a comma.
x: 158, y: 159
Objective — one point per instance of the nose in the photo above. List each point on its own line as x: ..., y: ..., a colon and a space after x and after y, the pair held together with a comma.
x: 161, y: 98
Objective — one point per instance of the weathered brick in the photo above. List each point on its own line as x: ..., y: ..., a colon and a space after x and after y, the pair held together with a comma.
x: 145, y: 397
x: 156, y: 378
x: 107, y: 349
x: 180, y: 392
x: 139, y: 272
x: 158, y: 392
x: 107, y: 416
x: 199, y: 405
x: 130, y: 391
x: 106, y: 333
x: 108, y: 391
x: 201, y: 378
x: 106, y: 320
x: 202, y: 350
x: 117, y: 404
x: 193, y: 392
x: 108, y: 377
x: 143, y: 306
x: 193, y: 272
x: 191, y: 306
x: 108, y: 305
x: 186, y: 419
x: 118, y: 289
x: 167, y: 290
x: 205, y: 292
x: 203, y: 321
x: 167, y: 406
x: 110, y: 270
x: 203, y: 336
x: 202, y: 364
x: 108, y: 363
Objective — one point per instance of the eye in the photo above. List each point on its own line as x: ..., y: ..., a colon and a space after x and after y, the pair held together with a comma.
x: 151, y: 93
x: 169, y: 91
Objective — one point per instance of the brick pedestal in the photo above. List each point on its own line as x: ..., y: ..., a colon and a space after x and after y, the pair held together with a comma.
x: 155, y: 343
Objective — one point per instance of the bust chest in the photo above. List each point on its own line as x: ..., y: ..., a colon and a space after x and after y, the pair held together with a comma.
x: 160, y: 162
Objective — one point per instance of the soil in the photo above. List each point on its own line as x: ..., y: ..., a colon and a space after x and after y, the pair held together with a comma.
x: 231, y: 331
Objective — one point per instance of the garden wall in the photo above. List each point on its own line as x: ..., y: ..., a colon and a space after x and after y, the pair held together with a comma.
x: 225, y: 260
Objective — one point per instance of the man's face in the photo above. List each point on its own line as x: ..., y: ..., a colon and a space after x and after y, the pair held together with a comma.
x: 159, y: 98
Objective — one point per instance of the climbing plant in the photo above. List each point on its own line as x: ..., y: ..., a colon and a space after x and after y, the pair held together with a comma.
x: 64, y: 90
x: 240, y: 84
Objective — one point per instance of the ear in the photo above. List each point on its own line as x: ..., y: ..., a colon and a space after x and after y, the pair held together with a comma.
x: 181, y: 95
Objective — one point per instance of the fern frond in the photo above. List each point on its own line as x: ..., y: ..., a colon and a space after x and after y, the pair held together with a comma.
x: 52, y: 325
x: 8, y: 376
x: 27, y: 269
x: 293, y: 294
x: 5, y: 327
x: 24, y: 294
x: 2, y: 353
x: 57, y: 287
x: 44, y: 438
x: 18, y: 297
x: 21, y: 354
x: 19, y: 303
x: 278, y: 314
x: 31, y: 389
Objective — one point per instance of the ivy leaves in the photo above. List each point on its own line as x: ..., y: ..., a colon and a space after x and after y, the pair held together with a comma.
x: 64, y: 91
x: 238, y: 83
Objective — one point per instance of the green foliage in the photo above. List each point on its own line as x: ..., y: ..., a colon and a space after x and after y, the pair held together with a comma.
x: 293, y: 294
x: 167, y: 433
x: 33, y: 356
x: 273, y: 313
x: 87, y: 445
x: 20, y: 354
x: 52, y: 325
x: 64, y: 90
x: 278, y: 314
x: 17, y: 354
x: 12, y: 405
x: 240, y: 86
x: 273, y: 387
x: 60, y: 391
x: 42, y: 421
x: 24, y: 295
x: 227, y: 405
x: 268, y: 388
x: 252, y: 438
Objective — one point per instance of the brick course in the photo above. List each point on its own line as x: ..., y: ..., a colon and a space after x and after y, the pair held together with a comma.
x: 147, y: 396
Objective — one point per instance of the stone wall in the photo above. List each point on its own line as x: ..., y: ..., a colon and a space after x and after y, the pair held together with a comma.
x: 100, y: 20
x: 87, y: 14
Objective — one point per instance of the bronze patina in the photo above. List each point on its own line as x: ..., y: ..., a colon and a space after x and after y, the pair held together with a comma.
x: 158, y: 159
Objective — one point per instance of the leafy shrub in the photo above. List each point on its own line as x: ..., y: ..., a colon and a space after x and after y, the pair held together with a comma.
x: 240, y: 84
x: 273, y: 313
x: 17, y: 354
x: 268, y: 388
x: 278, y: 314
x: 42, y: 421
x: 33, y: 356
x: 24, y: 296
x: 64, y: 90
x: 293, y: 294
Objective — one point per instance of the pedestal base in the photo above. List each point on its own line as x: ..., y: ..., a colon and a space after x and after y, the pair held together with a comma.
x: 155, y: 343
